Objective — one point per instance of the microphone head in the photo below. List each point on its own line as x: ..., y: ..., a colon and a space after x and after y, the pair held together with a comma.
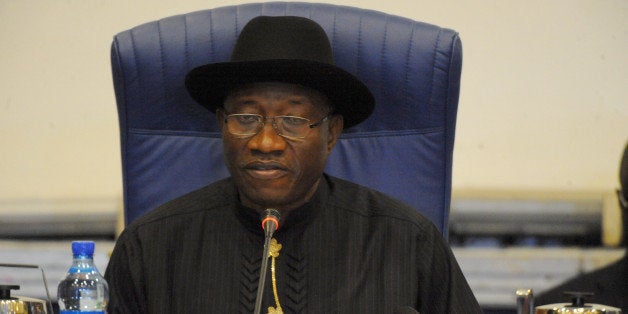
x: 270, y: 219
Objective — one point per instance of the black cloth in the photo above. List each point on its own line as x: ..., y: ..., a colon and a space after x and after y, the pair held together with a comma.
x: 349, y: 250
x: 609, y: 286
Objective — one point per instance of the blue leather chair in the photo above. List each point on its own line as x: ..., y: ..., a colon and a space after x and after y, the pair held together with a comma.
x: 171, y: 145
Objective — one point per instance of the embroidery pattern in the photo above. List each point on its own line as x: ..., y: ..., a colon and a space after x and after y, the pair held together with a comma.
x: 273, y: 252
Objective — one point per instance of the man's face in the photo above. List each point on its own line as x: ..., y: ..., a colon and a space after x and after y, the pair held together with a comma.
x: 271, y: 171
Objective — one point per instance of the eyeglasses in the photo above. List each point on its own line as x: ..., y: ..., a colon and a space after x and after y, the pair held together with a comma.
x: 290, y: 127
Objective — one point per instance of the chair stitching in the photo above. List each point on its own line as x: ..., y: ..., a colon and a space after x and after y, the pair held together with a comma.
x: 137, y: 131
x: 162, y: 63
x: 406, y: 67
x: 382, y: 63
x: 432, y: 74
x: 186, y: 44
x: 360, y: 44
x: 140, y: 131
x: 211, y: 34
x: 236, y: 19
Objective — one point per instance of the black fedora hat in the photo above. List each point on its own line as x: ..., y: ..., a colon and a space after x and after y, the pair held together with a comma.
x: 285, y: 49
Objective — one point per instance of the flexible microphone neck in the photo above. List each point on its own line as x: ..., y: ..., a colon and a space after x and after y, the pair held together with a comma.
x: 270, y: 223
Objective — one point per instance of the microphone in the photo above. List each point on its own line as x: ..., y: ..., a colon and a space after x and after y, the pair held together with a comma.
x: 270, y: 223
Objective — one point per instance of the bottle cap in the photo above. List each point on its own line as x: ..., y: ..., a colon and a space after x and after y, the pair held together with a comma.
x: 83, y: 248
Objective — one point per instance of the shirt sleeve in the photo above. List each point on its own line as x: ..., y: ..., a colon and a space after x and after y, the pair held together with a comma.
x: 124, y: 275
x: 447, y: 290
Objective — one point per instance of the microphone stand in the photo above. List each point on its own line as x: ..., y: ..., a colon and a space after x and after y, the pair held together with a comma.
x: 270, y: 223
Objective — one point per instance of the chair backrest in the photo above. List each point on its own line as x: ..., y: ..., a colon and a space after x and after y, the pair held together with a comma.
x: 171, y: 146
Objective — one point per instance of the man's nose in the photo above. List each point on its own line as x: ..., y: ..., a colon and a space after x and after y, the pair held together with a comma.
x: 267, y: 139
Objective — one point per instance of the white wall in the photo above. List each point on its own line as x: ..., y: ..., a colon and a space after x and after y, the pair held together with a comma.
x: 543, y: 102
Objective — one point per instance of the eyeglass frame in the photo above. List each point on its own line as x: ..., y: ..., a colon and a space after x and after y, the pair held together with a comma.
x: 622, y: 200
x: 262, y: 122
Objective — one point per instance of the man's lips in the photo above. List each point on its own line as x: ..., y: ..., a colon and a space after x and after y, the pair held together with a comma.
x: 265, y: 169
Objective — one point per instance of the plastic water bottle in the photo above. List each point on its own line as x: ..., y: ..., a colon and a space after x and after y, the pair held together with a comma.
x: 83, y: 290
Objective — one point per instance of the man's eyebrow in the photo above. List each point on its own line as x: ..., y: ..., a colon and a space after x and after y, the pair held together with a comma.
x: 300, y: 101
x: 240, y: 101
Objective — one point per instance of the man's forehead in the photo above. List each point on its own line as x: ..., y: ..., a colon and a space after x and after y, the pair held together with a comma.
x: 293, y: 93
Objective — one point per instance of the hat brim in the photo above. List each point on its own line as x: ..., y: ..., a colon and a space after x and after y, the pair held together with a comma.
x: 209, y: 84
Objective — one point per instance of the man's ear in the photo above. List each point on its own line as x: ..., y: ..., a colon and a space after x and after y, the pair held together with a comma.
x: 336, y: 124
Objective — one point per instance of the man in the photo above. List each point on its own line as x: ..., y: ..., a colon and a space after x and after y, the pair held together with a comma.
x: 340, y: 247
x: 608, y: 284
